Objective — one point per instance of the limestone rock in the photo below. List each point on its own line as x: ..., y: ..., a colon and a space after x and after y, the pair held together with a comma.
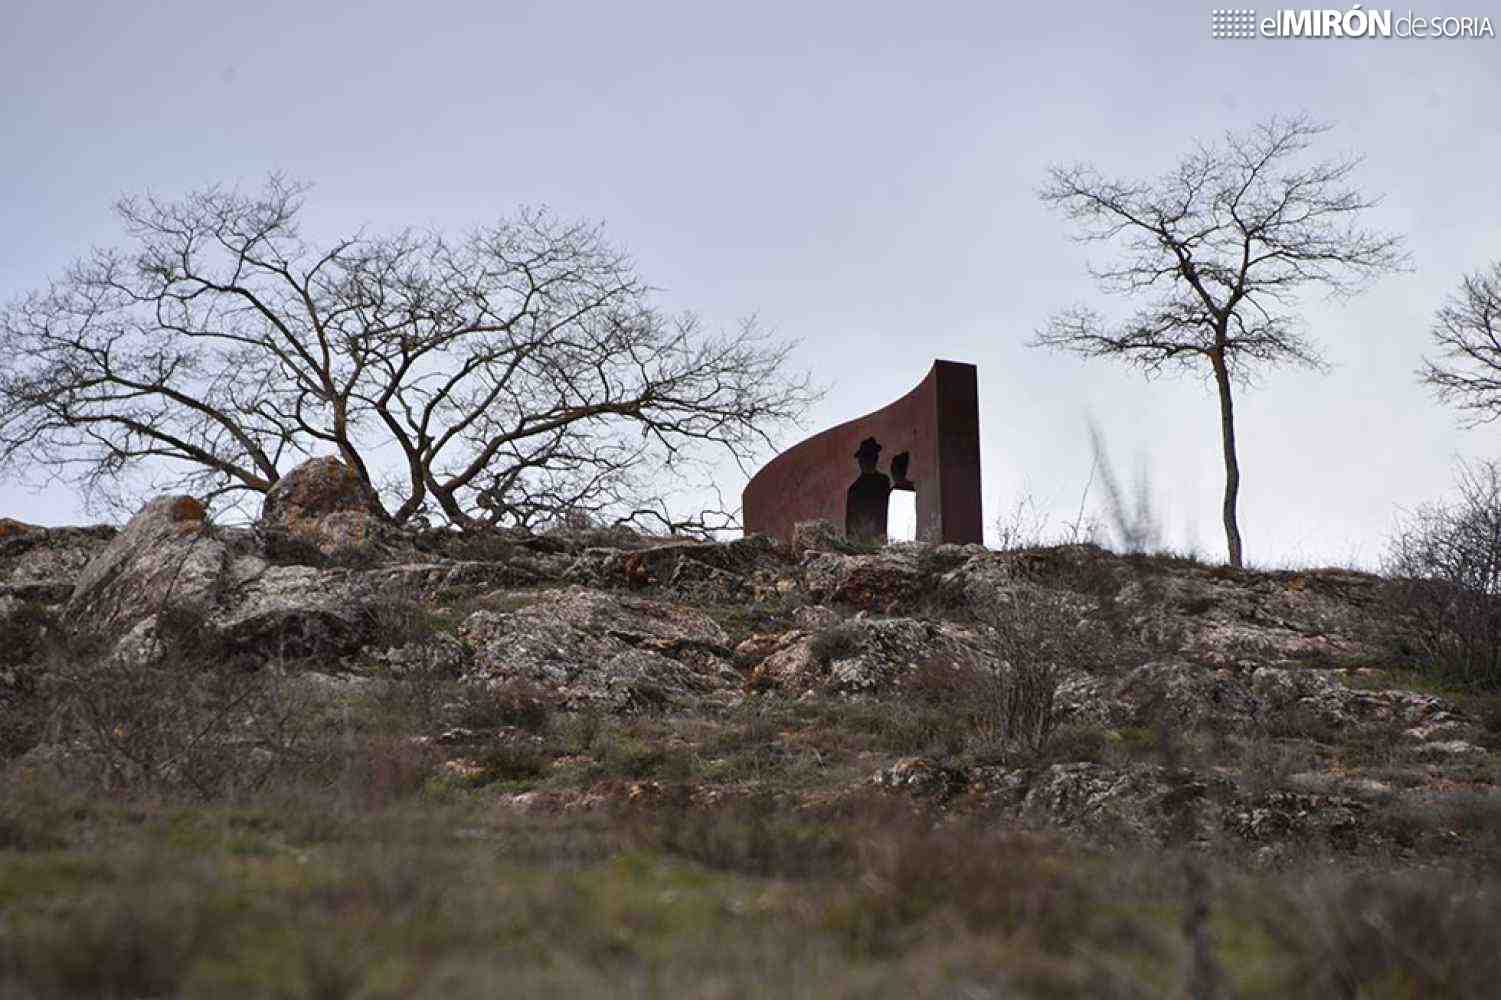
x: 1108, y: 804
x: 1186, y: 695
x: 980, y: 579
x: 919, y: 777
x: 294, y: 612
x: 323, y: 502
x: 609, y: 650
x: 1319, y: 692
x: 166, y: 560
x: 43, y: 564
x: 885, y: 582
x: 316, y: 488
x: 868, y: 656
x: 1299, y: 817
x: 690, y: 569
x: 815, y: 616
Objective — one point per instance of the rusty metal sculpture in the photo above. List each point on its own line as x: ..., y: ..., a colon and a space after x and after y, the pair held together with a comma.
x: 933, y: 437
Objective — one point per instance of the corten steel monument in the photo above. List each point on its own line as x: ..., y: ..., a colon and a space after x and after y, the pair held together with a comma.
x: 929, y: 441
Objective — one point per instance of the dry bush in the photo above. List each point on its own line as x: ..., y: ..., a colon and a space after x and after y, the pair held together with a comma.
x: 913, y: 876
x: 25, y: 633
x: 755, y: 835
x: 511, y: 702
x: 1409, y: 935
x: 1445, y: 561
x: 183, y: 721
x: 378, y: 770
x: 834, y: 642
x: 394, y: 621
x: 1267, y: 763
x: 1007, y: 694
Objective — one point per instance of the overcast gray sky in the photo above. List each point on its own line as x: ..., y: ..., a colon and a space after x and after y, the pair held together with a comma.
x: 861, y: 175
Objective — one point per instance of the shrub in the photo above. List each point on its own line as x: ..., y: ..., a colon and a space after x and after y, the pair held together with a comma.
x: 755, y: 835
x: 25, y: 631
x: 503, y: 761
x: 178, y: 723
x: 985, y: 882
x: 834, y: 642
x: 1007, y: 693
x: 1353, y: 936
x: 512, y: 702
x: 398, y: 621
x: 1445, y: 560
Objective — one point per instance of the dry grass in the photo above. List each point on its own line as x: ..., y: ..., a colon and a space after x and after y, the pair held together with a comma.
x: 204, y: 831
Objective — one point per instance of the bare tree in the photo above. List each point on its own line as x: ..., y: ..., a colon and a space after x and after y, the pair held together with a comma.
x: 505, y: 376
x: 1218, y: 250
x: 1467, y: 331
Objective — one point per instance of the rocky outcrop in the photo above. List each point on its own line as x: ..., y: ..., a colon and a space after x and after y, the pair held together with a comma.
x: 859, y: 656
x: 291, y: 612
x: 1187, y: 695
x: 1208, y: 710
x: 166, y: 560
x: 891, y: 580
x: 1112, y: 804
x: 736, y: 570
x: 604, y: 650
x: 171, y: 572
x: 43, y: 564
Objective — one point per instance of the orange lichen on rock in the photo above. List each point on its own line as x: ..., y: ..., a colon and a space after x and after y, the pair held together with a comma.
x: 10, y: 528
x: 188, y: 509
x: 318, y: 487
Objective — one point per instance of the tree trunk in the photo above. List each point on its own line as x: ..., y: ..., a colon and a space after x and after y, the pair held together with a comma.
x: 1232, y: 465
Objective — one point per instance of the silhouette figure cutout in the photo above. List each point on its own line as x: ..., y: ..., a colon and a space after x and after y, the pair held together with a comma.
x: 868, y: 500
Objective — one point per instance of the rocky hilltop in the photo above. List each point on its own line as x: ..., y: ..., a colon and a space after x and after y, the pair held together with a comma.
x: 1269, y: 706
x: 1134, y: 704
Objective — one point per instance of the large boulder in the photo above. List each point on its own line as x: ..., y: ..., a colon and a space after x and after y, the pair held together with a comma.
x: 606, y: 650
x: 322, y: 501
x: 1172, y: 692
x: 858, y: 656
x: 293, y: 612
x: 166, y: 560
x: 11, y: 528
x: 1320, y: 696
x: 1140, y: 803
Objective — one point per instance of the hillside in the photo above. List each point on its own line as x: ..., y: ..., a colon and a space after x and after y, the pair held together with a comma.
x: 316, y: 757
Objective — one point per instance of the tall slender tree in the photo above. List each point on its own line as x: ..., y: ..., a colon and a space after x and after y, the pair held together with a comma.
x: 1216, y: 252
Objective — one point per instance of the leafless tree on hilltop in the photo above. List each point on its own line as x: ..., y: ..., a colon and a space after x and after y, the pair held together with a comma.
x: 1217, y: 250
x: 507, y: 376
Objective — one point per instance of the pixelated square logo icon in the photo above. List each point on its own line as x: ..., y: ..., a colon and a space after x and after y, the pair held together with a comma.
x: 1232, y: 23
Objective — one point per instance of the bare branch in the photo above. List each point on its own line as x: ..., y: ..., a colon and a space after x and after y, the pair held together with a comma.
x: 502, y: 376
x: 1220, y: 247
x: 1467, y: 331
